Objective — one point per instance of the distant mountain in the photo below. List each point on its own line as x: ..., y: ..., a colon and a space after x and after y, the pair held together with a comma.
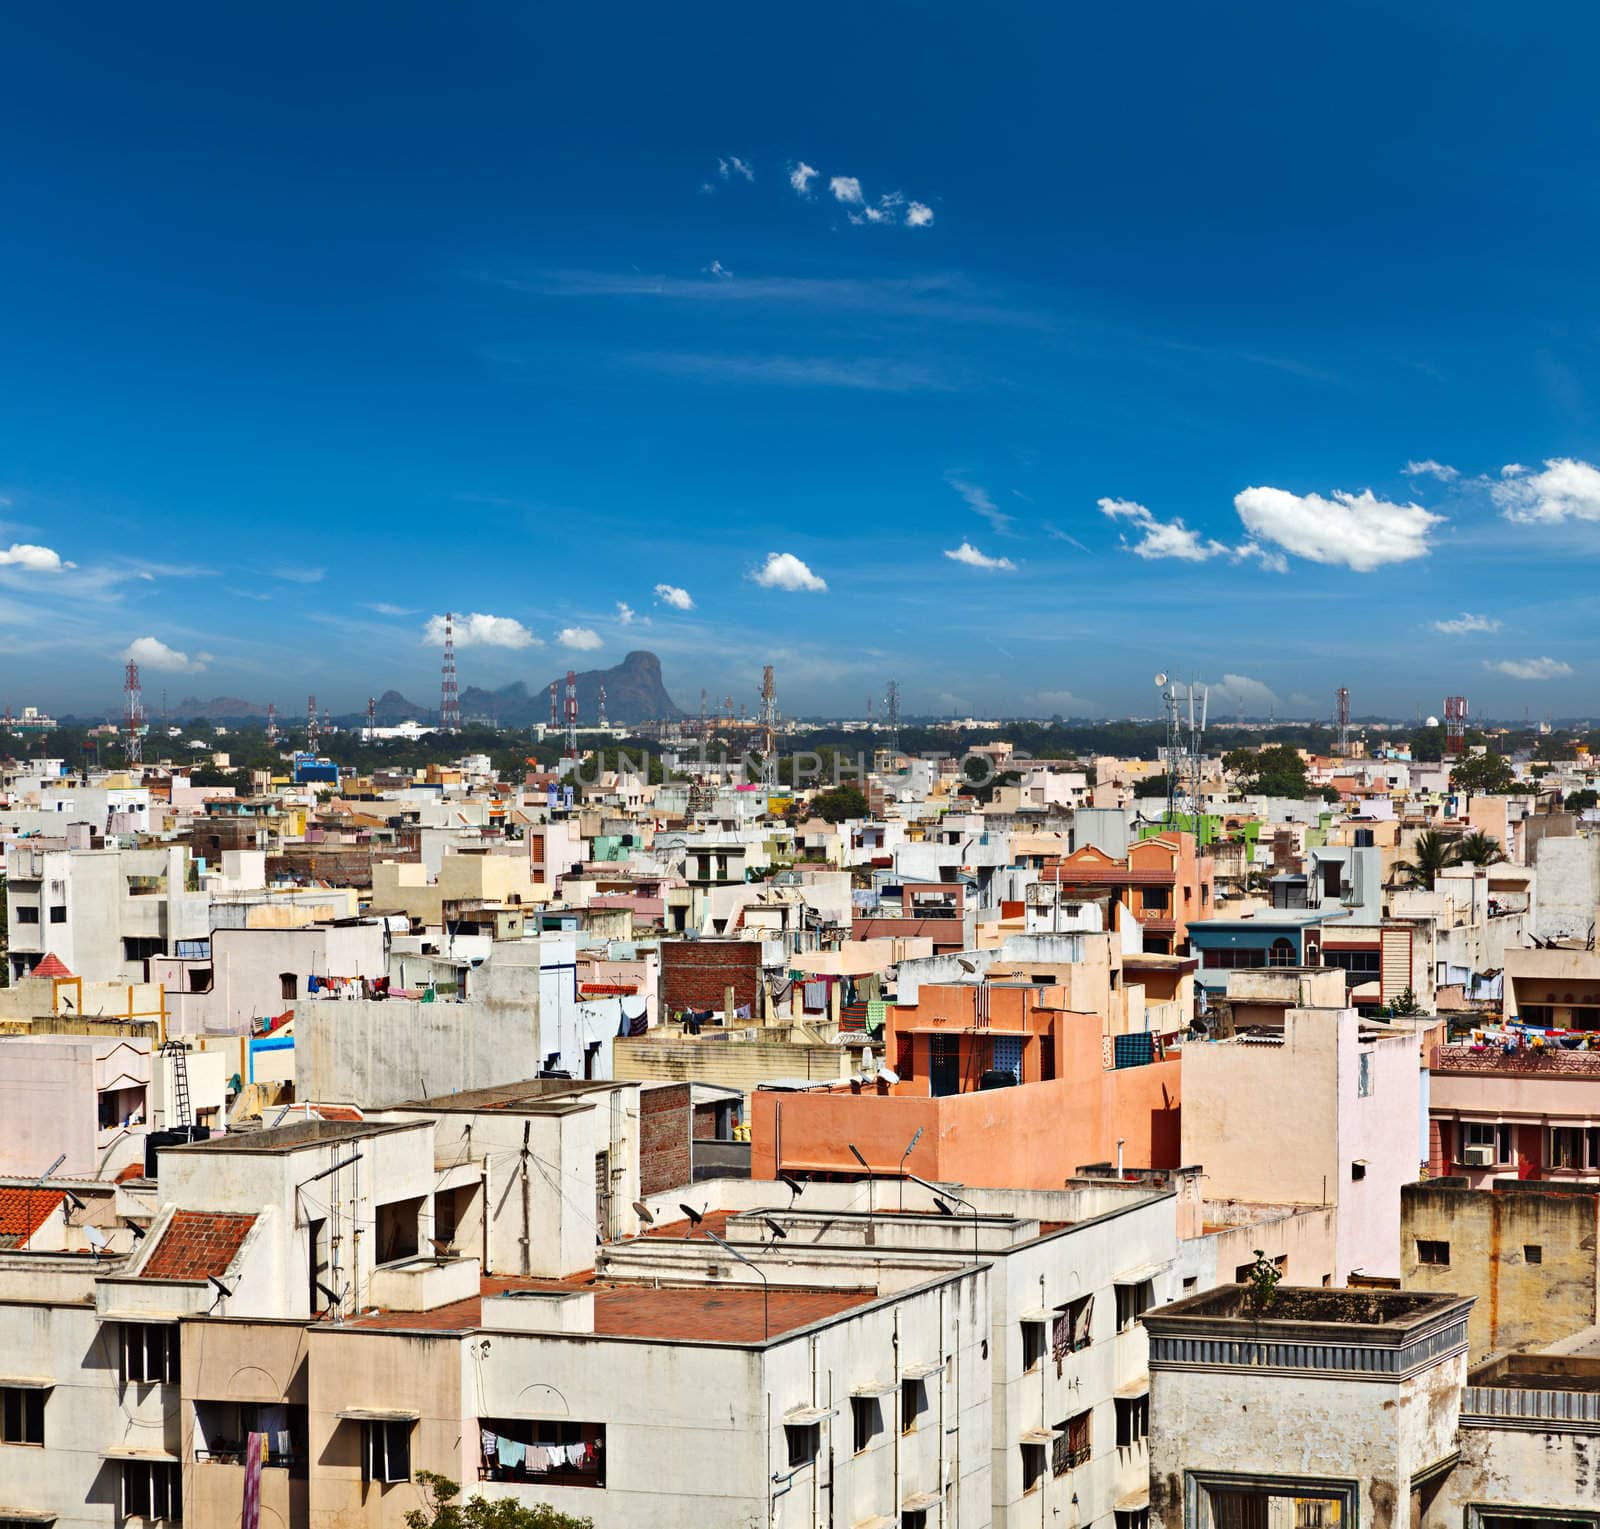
x: 634, y: 693
x: 393, y: 708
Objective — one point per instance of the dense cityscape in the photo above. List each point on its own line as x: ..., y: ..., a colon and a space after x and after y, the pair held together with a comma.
x: 781, y: 768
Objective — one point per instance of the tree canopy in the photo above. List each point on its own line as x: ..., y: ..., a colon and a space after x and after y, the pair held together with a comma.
x: 1483, y: 773
x: 1277, y: 770
x: 440, y: 1510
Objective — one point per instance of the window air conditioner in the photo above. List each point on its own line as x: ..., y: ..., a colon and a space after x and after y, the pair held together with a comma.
x: 1478, y: 1157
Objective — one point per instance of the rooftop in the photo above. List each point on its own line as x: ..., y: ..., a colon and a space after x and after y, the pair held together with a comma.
x: 700, y: 1313
x: 197, y: 1245
x: 292, y: 1138
x: 23, y: 1211
x: 530, y: 1095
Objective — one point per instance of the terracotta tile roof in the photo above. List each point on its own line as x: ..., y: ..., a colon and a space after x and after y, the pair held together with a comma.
x: 196, y: 1245
x: 685, y: 1313
x: 51, y: 966
x: 23, y: 1212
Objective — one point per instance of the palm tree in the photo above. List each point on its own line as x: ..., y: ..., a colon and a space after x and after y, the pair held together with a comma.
x: 1480, y: 849
x: 1432, y: 853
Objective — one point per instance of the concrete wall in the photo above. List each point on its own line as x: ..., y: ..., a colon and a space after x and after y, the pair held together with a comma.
x: 1569, y: 887
x: 1520, y: 1304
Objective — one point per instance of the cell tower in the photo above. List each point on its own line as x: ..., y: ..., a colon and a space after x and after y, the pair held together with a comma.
x: 704, y: 723
x: 891, y: 712
x: 572, y: 715
x: 372, y: 718
x: 311, y: 724
x: 769, y: 728
x: 1173, y: 748
x: 869, y: 714
x: 1455, y: 724
x: 555, y: 707
x: 272, y: 724
x: 449, y: 697
x: 135, y: 714
x: 603, y: 722
x: 1341, y: 714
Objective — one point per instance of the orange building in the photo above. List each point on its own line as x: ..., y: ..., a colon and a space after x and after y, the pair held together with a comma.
x: 1070, y: 1110
x: 1164, y: 881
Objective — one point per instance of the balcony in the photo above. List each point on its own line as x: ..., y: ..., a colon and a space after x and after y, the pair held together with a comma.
x: 216, y: 1488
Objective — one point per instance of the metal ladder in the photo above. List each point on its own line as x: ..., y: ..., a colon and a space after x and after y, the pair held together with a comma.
x: 179, y: 1053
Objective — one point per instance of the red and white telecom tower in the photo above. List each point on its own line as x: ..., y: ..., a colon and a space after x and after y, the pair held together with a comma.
x: 572, y: 715
x: 134, y: 722
x: 449, y: 698
x: 1455, y: 724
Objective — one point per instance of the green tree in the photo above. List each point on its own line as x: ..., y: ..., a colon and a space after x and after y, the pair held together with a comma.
x: 1277, y: 770
x: 1479, y: 849
x: 1151, y: 785
x: 840, y: 803
x: 1432, y: 853
x: 1581, y: 801
x: 440, y: 1510
x: 1486, y: 774
x: 1405, y: 1006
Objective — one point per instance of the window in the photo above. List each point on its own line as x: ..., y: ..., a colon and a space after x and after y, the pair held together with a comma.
x: 1358, y: 1170
x: 1281, y: 953
x: 1072, y: 1327
x: 149, y: 1352
x: 1032, y: 1466
x: 913, y: 1398
x: 1568, y: 1148
x: 27, y: 915
x: 804, y: 1440
x: 288, y: 985
x: 866, y: 1420
x: 1156, y: 900
x: 1532, y: 1253
x: 1072, y: 1444
x: 1233, y: 960
x: 905, y: 1058
x: 1364, y: 1075
x: 58, y: 914
x: 151, y: 1490
x: 21, y: 1415
x: 1431, y: 1251
x: 1358, y: 963
x: 1133, y: 1301
x: 1291, y: 1505
x: 546, y: 1452
x: 1133, y: 1419
x: 1032, y: 1344
x: 1133, y: 1518
x: 1496, y: 1136
x: 386, y: 1451
x: 914, y: 1518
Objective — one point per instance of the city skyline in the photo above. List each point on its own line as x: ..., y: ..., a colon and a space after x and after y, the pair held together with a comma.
x: 948, y: 354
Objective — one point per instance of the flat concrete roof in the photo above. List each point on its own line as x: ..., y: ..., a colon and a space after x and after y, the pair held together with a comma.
x: 530, y: 1096
x: 293, y: 1138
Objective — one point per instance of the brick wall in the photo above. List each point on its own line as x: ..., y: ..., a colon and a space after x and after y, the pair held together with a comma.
x: 695, y: 974
x: 664, y: 1116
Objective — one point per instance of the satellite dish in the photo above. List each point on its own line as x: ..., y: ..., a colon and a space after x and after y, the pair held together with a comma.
x: 1161, y: 679
x: 96, y: 1238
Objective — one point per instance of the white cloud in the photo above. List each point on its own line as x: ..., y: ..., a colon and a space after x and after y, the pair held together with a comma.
x: 1273, y: 562
x: 981, y: 503
x: 1428, y: 468
x: 1530, y: 668
x: 624, y: 613
x: 152, y: 653
x: 296, y: 575
x: 678, y: 599
x: 580, y: 639
x: 1240, y: 691
x: 1566, y: 489
x: 968, y: 554
x: 717, y: 269
x: 733, y: 165
x: 1357, y: 531
x: 35, y: 559
x: 783, y: 570
x: 1160, y: 538
x: 1465, y: 624
x: 481, y: 631
x: 846, y: 188
x: 801, y: 177
x: 383, y: 608
x: 918, y: 215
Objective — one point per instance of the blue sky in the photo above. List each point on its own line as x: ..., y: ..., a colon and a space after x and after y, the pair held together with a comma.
x: 1013, y: 351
